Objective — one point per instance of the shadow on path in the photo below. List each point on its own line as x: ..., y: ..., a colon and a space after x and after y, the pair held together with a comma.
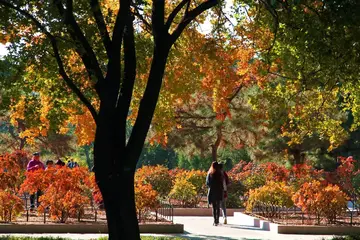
x: 243, y: 227
x: 191, y: 236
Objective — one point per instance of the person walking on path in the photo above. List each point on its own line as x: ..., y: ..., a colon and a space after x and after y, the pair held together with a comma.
x: 214, y: 182
x: 35, y: 164
x: 226, y: 182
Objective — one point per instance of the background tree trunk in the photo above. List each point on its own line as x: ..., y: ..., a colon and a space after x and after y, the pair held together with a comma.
x: 298, y: 156
x: 216, y: 145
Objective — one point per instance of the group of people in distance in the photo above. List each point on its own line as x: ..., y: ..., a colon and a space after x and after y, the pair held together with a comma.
x: 217, y: 181
x: 35, y: 164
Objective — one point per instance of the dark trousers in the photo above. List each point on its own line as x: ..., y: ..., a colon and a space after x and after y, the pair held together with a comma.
x: 216, y: 211
x: 33, y: 197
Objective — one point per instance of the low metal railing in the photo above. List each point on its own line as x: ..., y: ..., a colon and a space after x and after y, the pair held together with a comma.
x: 294, y: 215
x: 165, y: 211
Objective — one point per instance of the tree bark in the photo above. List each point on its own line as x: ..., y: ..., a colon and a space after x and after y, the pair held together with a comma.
x: 298, y: 156
x: 116, y: 184
x: 115, y: 163
x: 216, y: 145
x: 119, y: 201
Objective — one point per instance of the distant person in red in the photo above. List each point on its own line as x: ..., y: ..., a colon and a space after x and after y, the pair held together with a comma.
x: 33, y: 165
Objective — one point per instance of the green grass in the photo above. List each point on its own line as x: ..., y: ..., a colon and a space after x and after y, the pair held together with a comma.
x: 161, y: 238
x: 351, y: 237
x: 102, y: 238
x: 30, y: 238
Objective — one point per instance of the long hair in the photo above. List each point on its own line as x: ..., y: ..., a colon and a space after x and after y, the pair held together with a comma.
x: 214, y: 168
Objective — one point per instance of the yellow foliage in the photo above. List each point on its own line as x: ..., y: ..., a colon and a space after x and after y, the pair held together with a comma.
x: 272, y: 194
x: 85, y: 126
x: 18, y: 111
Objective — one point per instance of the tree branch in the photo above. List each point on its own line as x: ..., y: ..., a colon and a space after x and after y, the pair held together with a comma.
x: 187, y: 7
x: 142, y: 19
x: 236, y: 92
x: 114, y: 65
x: 124, y: 100
x: 99, y: 18
x: 173, y: 14
x: 191, y: 15
x: 273, y: 12
x: 54, y: 45
x: 86, y: 53
x: 182, y: 114
x: 157, y: 18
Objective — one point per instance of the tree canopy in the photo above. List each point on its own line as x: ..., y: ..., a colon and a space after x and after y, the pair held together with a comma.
x: 287, y: 67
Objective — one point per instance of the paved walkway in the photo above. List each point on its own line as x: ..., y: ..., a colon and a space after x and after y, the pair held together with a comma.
x: 198, y: 228
x: 201, y: 228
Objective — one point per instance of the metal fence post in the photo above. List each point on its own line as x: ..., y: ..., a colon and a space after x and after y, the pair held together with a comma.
x: 95, y: 215
x: 302, y: 217
x: 172, y: 215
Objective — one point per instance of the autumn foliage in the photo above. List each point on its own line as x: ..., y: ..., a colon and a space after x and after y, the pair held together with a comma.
x: 146, y: 198
x: 321, y: 200
x: 157, y: 176
x: 96, y: 194
x: 10, y: 206
x: 65, y: 190
x: 11, y: 175
x: 264, y: 186
x: 189, y: 186
x: 270, y: 186
x: 270, y: 197
x: 183, y: 191
x: 11, y: 171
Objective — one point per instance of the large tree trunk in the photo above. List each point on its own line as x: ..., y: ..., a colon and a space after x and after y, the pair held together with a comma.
x: 116, y: 184
x: 115, y: 161
x: 119, y: 201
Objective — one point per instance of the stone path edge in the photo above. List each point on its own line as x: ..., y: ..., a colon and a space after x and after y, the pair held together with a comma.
x: 85, y: 228
x: 252, y: 221
x: 317, y: 230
